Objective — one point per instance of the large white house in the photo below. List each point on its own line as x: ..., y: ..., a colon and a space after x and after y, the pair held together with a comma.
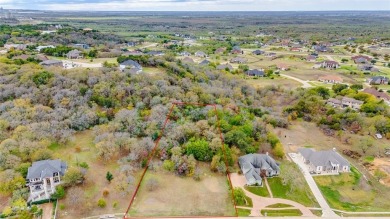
x: 43, y: 177
x: 324, y: 162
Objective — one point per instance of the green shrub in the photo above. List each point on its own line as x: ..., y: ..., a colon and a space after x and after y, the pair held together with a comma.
x: 200, y: 149
x: 169, y: 165
x: 101, y: 203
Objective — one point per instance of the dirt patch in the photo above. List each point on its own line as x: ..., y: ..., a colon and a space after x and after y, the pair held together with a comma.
x: 47, y: 210
x: 383, y: 164
x: 183, y: 196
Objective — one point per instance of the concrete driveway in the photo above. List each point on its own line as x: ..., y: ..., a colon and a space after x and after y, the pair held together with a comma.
x: 260, y: 203
x: 326, y: 210
x: 305, y: 84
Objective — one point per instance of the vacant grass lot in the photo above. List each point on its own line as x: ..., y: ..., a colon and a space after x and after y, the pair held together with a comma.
x: 183, y: 196
x: 350, y: 192
x: 281, y: 213
x: 277, y: 81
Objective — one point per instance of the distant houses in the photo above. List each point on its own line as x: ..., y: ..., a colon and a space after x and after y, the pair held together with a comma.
x: 205, y: 62
x: 345, y: 102
x: 331, y: 79
x: 255, y: 73
x: 185, y: 53
x: 238, y: 60
x: 81, y: 46
x: 15, y: 46
x: 225, y: 67
x: 324, y: 162
x: 311, y: 58
x: 330, y: 65
x: 378, y: 80
x: 39, y: 48
x: 258, y: 52
x: 130, y: 66
x: 155, y: 53
x: 283, y: 67
x: 74, y: 54
x: 201, y: 54
x: 187, y: 60
x: 51, y: 63
x: 378, y: 94
x: 220, y: 50
x: 360, y: 59
x: 367, y: 68
x: 237, y: 50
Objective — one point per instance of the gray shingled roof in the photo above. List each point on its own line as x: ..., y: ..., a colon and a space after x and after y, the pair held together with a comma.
x: 252, y: 164
x: 132, y: 64
x: 46, y: 168
x: 323, y: 158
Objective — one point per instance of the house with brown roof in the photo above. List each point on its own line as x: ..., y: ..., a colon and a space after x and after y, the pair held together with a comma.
x: 187, y: 60
x: 224, y: 67
x: 220, y: 50
x: 74, y: 54
x: 238, y: 60
x: 378, y: 94
x: 331, y: 79
x: 283, y: 67
x: 311, y: 58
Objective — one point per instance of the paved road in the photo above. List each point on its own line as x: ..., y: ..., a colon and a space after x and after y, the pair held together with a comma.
x: 326, y: 210
x: 305, y: 84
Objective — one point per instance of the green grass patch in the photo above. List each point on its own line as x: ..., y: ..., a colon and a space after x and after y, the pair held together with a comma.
x: 317, y: 212
x: 369, y: 159
x: 243, y: 212
x: 54, y: 146
x: 281, y: 213
x: 258, y: 190
x: 284, y: 191
x: 279, y: 205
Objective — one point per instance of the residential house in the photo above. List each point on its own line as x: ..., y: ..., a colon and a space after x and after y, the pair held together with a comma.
x: 52, y: 62
x: 155, y: 53
x: 81, y: 46
x: 238, y: 60
x: 201, y: 54
x: 224, y: 67
x: 360, y: 59
x: 311, y: 58
x: 258, y: 52
x: 185, y: 53
x: 335, y: 103
x: 351, y: 103
x: 43, y: 177
x: 324, y: 162
x: 74, y: 54
x: 204, y: 62
x: 378, y: 94
x: 330, y: 64
x: 256, y: 166
x: 321, y: 48
x: 131, y: 44
x: 187, y: 60
x: 378, y: 80
x: 296, y: 49
x: 283, y: 67
x: 15, y: 46
x: 330, y: 79
x: 220, y: 50
x: 367, y: 68
x: 39, y: 48
x: 255, y: 73
x: 130, y: 66
x: 133, y: 53
x: 237, y: 50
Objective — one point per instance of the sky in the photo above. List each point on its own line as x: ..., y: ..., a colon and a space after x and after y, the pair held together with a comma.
x: 197, y: 5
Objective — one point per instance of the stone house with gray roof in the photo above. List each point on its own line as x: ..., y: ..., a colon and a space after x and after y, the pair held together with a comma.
x: 254, y: 166
x: 43, y: 177
x: 324, y: 162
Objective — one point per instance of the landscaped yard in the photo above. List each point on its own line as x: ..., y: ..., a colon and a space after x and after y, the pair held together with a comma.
x: 283, y: 191
x: 243, y: 212
x: 279, y: 205
x: 183, y: 196
x: 258, y: 190
x: 281, y: 213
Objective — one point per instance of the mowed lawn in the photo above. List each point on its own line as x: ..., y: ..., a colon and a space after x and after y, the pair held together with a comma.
x: 184, y: 196
x: 277, y: 81
x: 82, y: 149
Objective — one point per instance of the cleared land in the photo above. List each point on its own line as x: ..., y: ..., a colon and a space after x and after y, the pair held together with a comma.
x: 183, y: 196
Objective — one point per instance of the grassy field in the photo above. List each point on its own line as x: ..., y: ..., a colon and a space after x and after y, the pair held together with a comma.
x: 82, y: 149
x: 278, y: 81
x: 350, y: 192
x: 257, y: 190
x: 281, y: 191
x: 281, y: 213
x: 183, y: 196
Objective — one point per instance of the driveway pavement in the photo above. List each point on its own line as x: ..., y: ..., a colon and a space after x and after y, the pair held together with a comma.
x: 326, y: 210
x: 305, y: 84
x: 260, y: 203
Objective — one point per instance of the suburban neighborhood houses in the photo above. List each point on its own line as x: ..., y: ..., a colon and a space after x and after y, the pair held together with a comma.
x: 324, y: 162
